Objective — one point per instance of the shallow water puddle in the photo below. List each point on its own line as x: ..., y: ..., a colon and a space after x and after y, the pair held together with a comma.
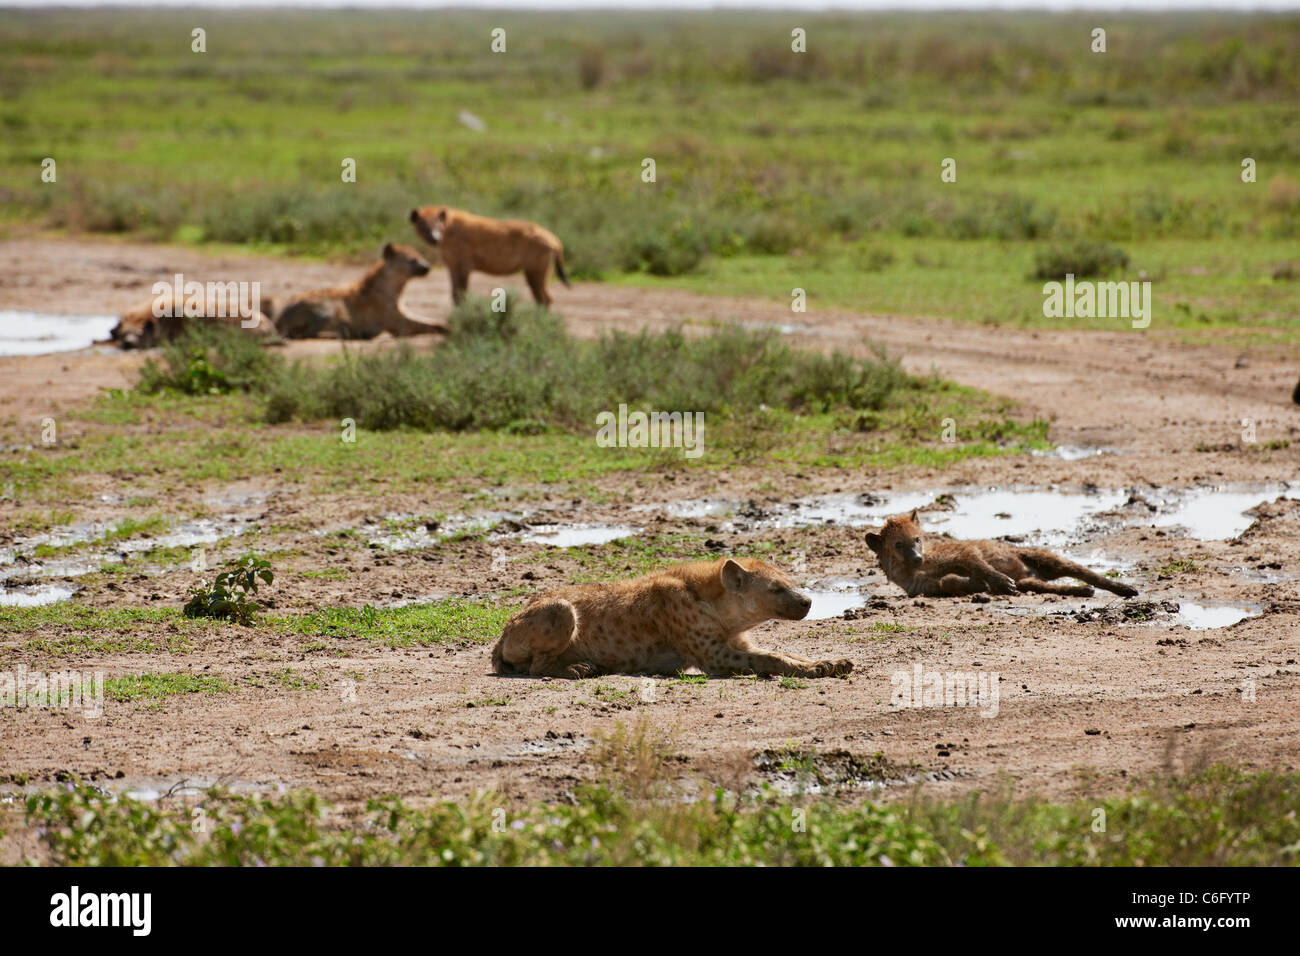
x: 576, y: 535
x: 1214, y: 514
x: 1074, y: 452
x: 37, y: 333
x: 833, y: 598
x: 1048, y: 517
x: 1205, y: 617
x: 34, y: 595
x: 20, y: 561
x: 1045, y: 517
x: 1208, y: 616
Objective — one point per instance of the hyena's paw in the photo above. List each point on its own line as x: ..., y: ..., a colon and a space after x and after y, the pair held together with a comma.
x: 1124, y: 590
x: 1001, y: 584
x: 833, y: 668
x: 582, y: 669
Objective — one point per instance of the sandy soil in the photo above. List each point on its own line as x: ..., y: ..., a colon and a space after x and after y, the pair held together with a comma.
x: 1085, y: 704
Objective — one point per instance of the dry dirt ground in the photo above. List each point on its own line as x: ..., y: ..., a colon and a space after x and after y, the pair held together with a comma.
x: 1085, y: 701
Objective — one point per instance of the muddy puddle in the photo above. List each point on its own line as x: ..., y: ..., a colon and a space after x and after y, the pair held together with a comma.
x: 1074, y: 452
x: 577, y: 535
x: 1193, y: 615
x: 1046, y: 517
x: 34, y: 595
x: 37, y: 333
x: 803, y: 772
x: 833, y: 598
x: 21, y: 564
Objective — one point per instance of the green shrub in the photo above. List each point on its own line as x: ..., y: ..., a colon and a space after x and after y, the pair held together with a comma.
x: 210, y: 359
x: 520, y: 370
x: 228, y: 598
x: 1081, y: 259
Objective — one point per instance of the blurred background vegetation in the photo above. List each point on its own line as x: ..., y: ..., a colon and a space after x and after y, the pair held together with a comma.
x: 775, y: 169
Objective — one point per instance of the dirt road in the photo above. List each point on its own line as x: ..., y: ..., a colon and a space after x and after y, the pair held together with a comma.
x: 1084, y: 703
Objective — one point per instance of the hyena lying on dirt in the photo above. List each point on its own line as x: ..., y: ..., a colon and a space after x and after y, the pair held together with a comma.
x: 141, y: 328
x: 946, y: 568
x: 688, y: 615
x: 499, y: 247
x: 362, y: 309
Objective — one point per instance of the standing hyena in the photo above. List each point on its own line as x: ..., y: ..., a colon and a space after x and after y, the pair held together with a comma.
x: 688, y: 615
x: 498, y: 247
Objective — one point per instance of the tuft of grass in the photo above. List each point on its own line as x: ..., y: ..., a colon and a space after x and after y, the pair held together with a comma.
x: 162, y: 685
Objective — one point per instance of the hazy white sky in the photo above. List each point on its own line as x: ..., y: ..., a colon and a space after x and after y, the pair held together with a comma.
x: 703, y: 4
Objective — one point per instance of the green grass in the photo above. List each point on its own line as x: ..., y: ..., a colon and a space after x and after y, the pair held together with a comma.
x: 159, y: 686
x: 452, y: 621
x: 1213, y: 817
x: 68, y: 628
x: 818, y: 170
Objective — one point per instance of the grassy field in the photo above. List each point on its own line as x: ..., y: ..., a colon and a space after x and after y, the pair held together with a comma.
x: 774, y: 169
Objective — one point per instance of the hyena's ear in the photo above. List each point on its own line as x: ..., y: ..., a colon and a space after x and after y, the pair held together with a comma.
x: 874, y: 541
x: 733, y: 575
x: 912, y: 516
x: 415, y: 215
x: 388, y: 250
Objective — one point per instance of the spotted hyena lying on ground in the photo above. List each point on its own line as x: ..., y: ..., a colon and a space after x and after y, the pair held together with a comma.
x: 362, y: 309
x: 688, y: 615
x: 950, y: 568
x: 164, y: 317
x: 499, y: 247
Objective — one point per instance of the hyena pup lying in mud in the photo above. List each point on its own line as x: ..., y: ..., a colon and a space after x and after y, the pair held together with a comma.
x: 946, y: 568
x: 688, y: 615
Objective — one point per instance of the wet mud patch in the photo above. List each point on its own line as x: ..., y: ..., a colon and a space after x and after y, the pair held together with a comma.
x: 792, y: 771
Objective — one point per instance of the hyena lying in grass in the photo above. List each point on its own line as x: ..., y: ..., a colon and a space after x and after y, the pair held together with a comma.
x: 361, y: 309
x: 945, y: 568
x: 688, y: 615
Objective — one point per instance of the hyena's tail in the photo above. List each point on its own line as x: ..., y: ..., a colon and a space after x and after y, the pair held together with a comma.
x: 559, y: 267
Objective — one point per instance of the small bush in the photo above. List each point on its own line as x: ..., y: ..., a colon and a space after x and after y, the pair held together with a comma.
x: 228, y: 597
x: 210, y: 359
x: 1080, y: 259
x: 519, y: 370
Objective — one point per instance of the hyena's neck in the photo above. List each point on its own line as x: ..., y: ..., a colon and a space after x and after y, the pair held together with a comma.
x: 381, y: 284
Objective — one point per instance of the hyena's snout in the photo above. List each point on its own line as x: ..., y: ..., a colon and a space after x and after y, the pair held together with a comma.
x: 794, y: 606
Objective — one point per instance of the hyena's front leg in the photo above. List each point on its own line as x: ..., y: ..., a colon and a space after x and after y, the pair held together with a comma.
x: 723, y: 659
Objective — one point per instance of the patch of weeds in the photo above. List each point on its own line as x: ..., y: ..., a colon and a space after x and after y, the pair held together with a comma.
x: 159, y: 686
x: 228, y: 598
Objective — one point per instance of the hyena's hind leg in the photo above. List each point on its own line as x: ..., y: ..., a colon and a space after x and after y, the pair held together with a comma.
x: 535, y: 639
x: 1033, y: 585
x: 1048, y: 566
x: 537, y: 284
